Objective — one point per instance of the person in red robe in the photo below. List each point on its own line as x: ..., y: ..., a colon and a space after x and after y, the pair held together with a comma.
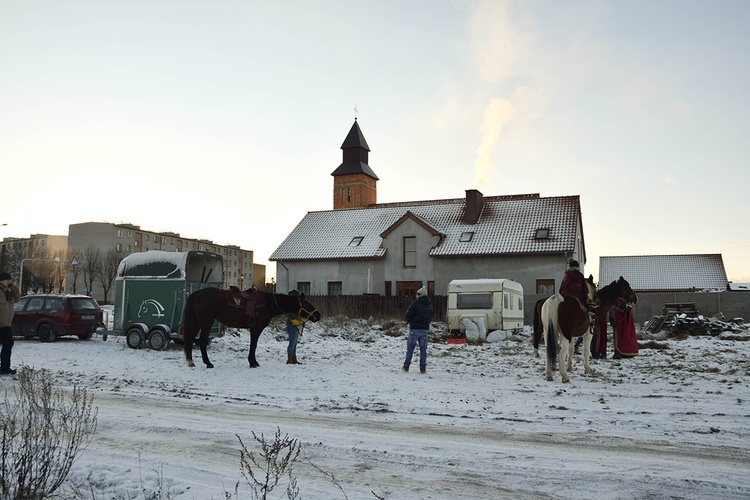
x: 625, y: 339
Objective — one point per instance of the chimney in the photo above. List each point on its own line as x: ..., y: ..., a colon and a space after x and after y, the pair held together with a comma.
x: 473, y: 206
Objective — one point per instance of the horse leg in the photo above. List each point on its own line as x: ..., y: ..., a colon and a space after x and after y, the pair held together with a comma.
x: 571, y: 352
x: 187, y: 346
x: 587, y: 351
x: 203, y: 343
x: 565, y: 346
x: 253, y: 345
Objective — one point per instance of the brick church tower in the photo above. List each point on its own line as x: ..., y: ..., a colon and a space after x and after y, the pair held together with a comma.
x: 354, y: 182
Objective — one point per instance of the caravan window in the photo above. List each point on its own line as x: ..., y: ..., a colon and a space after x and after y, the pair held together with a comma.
x: 505, y: 301
x: 482, y: 300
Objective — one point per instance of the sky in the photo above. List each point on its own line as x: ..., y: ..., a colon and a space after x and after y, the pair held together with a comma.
x: 224, y: 120
x: 482, y: 422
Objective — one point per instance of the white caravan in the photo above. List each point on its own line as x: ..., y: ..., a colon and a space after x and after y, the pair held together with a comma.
x: 496, y: 302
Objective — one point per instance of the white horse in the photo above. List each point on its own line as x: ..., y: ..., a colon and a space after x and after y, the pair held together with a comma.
x: 564, y: 318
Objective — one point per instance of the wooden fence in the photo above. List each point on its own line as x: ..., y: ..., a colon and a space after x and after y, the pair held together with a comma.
x: 376, y: 306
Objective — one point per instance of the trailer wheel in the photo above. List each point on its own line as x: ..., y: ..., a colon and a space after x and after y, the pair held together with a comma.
x: 134, y: 338
x: 158, y: 340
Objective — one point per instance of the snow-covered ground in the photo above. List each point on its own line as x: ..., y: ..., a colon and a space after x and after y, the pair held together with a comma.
x: 481, y: 423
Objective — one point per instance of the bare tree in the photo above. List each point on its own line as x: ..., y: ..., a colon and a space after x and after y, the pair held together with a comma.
x: 75, y: 269
x: 91, y: 267
x: 110, y: 262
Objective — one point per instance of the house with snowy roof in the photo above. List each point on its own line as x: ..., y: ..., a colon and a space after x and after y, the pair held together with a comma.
x: 666, y: 273
x: 365, y: 247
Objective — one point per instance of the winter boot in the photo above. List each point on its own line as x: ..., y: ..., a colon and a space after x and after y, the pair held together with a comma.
x: 291, y: 359
x: 422, y: 369
x: 406, y: 368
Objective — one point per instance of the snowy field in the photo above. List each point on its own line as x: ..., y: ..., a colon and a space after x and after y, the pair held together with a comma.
x: 482, y: 423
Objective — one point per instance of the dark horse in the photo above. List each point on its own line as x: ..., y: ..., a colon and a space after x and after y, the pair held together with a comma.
x: 607, y: 298
x: 254, y: 312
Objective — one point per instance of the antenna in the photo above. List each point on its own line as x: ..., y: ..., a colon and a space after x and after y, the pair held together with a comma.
x: 355, y: 112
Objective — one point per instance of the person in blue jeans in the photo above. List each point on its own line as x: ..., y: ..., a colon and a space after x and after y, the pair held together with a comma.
x: 418, y: 316
x: 293, y: 321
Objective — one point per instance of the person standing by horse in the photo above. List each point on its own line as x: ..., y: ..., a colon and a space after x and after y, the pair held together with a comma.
x: 293, y: 321
x: 9, y: 295
x: 624, y: 336
x: 418, y: 316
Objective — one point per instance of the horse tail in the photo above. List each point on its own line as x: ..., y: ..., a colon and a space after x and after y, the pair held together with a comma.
x: 538, y: 327
x: 550, y: 317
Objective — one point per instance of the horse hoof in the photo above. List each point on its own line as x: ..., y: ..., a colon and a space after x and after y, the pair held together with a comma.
x: 209, y: 365
x: 566, y: 381
x: 190, y: 363
x: 254, y: 365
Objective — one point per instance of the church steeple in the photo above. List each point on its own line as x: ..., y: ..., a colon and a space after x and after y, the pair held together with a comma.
x: 354, y: 182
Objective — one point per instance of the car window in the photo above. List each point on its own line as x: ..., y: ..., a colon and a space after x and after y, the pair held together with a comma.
x: 84, y: 304
x: 18, y: 306
x: 54, y: 303
x: 35, y: 304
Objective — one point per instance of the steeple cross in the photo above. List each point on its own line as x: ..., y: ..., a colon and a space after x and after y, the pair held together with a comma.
x: 355, y: 111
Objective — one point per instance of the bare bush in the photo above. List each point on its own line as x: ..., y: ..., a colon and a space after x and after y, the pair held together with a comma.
x: 275, y: 460
x: 42, y: 432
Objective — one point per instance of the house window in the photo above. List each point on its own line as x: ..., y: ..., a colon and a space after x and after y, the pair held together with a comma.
x: 410, y: 251
x: 130, y: 234
x: 356, y: 241
x: 466, y: 236
x: 303, y: 287
x: 545, y: 287
x: 118, y: 247
x: 127, y: 248
x: 148, y: 237
x: 135, y: 243
x: 334, y: 288
x: 119, y: 233
x: 541, y: 234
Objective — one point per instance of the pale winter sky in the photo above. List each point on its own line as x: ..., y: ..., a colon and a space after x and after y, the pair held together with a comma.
x: 224, y: 119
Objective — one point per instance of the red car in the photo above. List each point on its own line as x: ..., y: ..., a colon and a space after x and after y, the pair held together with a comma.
x: 50, y: 316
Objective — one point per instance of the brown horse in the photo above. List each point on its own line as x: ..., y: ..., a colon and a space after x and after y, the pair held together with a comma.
x: 539, y: 327
x: 562, y: 319
x: 207, y: 305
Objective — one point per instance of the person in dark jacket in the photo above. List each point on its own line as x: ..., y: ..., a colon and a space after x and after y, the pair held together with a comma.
x: 9, y: 295
x: 418, y: 316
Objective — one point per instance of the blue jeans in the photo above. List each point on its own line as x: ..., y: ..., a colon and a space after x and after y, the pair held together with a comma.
x: 417, y: 337
x: 293, y: 332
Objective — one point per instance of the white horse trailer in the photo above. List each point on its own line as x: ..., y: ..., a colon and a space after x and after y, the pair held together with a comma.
x: 496, y: 302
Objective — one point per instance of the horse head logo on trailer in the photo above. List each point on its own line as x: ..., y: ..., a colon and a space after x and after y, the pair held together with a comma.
x: 151, y: 304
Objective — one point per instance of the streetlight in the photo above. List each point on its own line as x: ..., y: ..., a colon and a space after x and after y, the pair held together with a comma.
x: 20, y: 280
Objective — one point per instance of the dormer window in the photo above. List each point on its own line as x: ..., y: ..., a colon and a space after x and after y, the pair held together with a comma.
x: 466, y: 236
x: 356, y: 241
x: 541, y: 234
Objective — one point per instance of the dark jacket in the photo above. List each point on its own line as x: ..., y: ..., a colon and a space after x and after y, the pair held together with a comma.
x: 419, y: 313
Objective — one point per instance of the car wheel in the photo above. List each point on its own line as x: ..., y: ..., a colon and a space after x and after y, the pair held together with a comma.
x: 134, y: 338
x: 85, y: 336
x: 158, y: 340
x: 45, y: 333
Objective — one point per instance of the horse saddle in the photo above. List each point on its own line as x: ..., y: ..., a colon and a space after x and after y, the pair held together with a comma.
x: 247, y: 299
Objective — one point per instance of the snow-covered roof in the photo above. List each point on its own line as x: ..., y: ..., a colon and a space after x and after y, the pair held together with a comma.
x: 665, y: 272
x: 157, y: 264
x: 507, y: 225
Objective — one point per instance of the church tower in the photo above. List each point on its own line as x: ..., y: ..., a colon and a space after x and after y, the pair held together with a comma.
x: 354, y: 182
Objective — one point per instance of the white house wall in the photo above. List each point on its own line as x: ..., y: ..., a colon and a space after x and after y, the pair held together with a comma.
x: 424, y: 271
x: 356, y: 276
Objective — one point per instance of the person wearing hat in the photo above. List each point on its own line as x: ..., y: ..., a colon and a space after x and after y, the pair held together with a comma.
x: 418, y: 316
x: 293, y: 321
x: 9, y: 295
x: 574, y: 283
